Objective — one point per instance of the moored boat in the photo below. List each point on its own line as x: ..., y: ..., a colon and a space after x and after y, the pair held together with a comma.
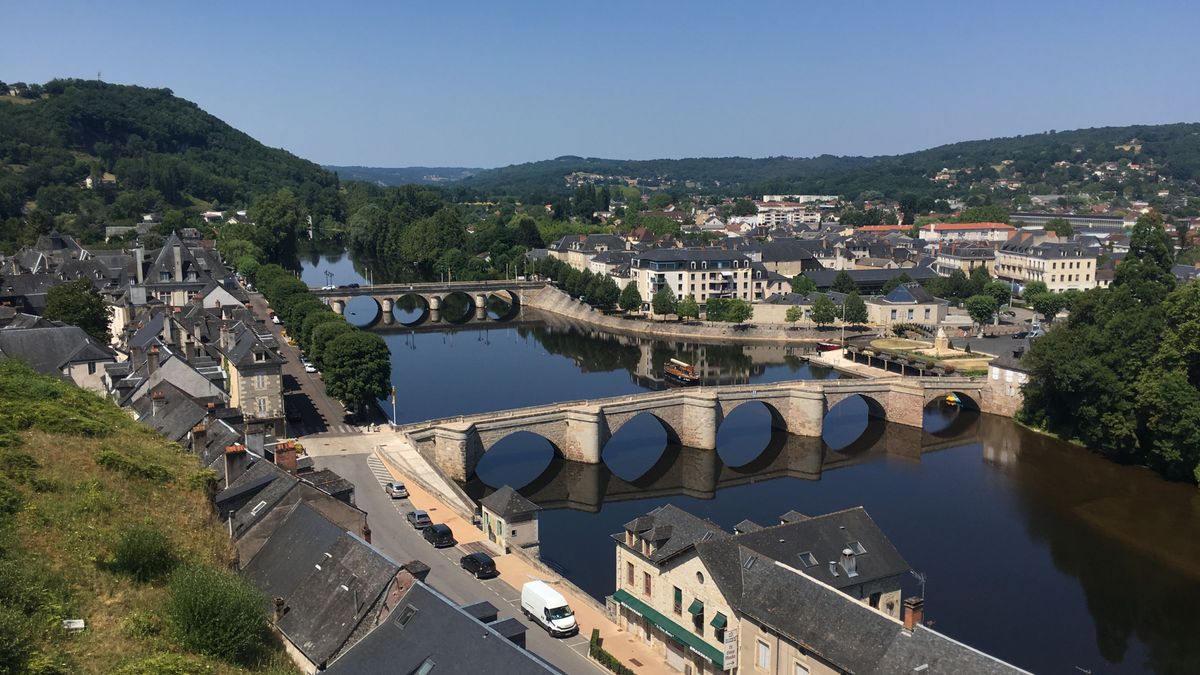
x: 826, y: 346
x: 681, y: 372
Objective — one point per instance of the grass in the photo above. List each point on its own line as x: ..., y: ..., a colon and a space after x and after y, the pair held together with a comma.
x: 56, y: 550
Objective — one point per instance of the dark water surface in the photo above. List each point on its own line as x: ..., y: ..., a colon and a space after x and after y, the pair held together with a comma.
x: 1034, y: 550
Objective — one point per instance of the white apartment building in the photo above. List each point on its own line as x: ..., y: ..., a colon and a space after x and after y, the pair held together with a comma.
x: 1061, y: 265
x: 702, y: 273
x: 980, y: 232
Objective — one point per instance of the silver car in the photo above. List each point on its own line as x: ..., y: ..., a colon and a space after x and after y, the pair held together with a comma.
x: 395, y: 490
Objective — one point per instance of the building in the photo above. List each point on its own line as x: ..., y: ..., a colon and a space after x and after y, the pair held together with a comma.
x: 1005, y: 378
x: 577, y: 250
x: 809, y: 595
x: 255, y: 373
x: 964, y: 257
x: 1078, y: 221
x: 906, y: 303
x: 702, y: 273
x: 1042, y: 256
x: 979, y: 232
x: 509, y: 520
x: 61, y: 350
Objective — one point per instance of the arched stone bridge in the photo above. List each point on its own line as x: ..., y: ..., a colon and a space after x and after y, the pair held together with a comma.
x: 429, y: 299
x: 580, y: 429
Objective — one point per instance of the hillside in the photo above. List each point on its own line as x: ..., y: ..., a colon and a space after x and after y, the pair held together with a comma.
x: 1172, y: 149
x: 409, y: 175
x: 146, y: 151
x: 76, y: 475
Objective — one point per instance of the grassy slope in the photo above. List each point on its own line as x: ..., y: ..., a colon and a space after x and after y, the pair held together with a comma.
x: 73, y: 511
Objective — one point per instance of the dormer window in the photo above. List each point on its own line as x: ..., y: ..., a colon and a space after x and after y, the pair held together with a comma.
x: 164, y: 276
x: 260, y: 356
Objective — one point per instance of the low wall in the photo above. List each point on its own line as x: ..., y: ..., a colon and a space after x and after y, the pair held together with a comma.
x: 554, y: 301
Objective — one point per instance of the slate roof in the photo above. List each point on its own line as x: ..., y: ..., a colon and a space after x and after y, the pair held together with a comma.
x: 288, y: 556
x: 246, y: 345
x: 508, y: 504
x: 688, y: 255
x: 262, y: 482
x: 435, y: 631
x: 870, y: 279
x: 825, y: 537
x: 175, y: 415
x: 48, y: 350
x: 672, y: 531
x: 787, y: 250
x: 907, y: 294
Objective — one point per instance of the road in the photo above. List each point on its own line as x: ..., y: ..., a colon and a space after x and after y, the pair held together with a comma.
x: 392, y: 534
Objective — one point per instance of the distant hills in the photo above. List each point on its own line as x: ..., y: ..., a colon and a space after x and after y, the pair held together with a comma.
x: 1173, y: 150
x: 409, y: 175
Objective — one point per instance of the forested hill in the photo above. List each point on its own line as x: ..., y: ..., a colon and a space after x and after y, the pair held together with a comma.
x: 148, y: 149
x: 409, y: 175
x: 1174, y: 149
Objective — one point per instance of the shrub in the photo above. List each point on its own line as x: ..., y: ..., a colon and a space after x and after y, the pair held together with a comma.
x: 144, y: 552
x: 122, y: 464
x: 142, y: 625
x: 166, y: 664
x: 10, y: 499
x: 16, y: 642
x: 216, y: 612
x: 19, y: 466
x: 596, y: 651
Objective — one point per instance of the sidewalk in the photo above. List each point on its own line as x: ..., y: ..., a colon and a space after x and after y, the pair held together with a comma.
x: 837, y: 359
x: 515, y: 570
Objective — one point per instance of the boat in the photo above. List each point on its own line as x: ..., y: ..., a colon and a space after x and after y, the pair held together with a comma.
x: 953, y: 400
x: 826, y: 346
x: 681, y: 372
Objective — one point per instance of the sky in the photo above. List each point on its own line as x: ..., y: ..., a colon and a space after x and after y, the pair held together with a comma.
x: 483, y: 84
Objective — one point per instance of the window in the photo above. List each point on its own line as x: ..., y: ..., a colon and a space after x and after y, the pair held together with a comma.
x: 798, y: 669
x: 927, y: 312
x: 762, y: 655
x: 678, y: 604
x: 856, y: 547
x: 807, y: 559
x: 629, y: 574
x: 262, y: 406
x: 91, y: 368
x: 646, y: 583
x: 260, y: 381
x: 874, y: 601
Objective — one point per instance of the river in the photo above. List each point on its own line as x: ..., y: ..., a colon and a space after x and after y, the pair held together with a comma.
x: 1033, y: 550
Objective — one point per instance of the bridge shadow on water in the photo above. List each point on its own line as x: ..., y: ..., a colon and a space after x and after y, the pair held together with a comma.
x: 666, y: 469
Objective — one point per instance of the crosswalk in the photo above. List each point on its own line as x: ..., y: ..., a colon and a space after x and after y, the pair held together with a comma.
x: 379, y: 470
x: 338, y: 430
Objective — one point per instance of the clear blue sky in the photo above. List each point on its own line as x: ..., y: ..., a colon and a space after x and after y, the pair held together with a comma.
x: 488, y: 84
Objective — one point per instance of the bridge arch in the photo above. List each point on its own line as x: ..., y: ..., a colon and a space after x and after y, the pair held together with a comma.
x: 966, y: 401
x: 502, y: 305
x: 516, y: 459
x: 410, y: 309
x: 362, y: 311
x: 457, y: 307
x: 749, y: 429
x: 638, y: 445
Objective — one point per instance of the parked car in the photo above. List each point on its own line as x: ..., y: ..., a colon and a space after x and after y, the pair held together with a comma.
x: 276, y: 320
x: 479, y: 564
x: 439, y: 535
x: 354, y: 285
x: 309, y: 367
x: 419, y: 519
x: 395, y: 490
x: 548, y: 608
x: 328, y: 287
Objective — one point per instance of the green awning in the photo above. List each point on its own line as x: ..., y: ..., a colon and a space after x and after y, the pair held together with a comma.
x: 718, y: 621
x: 696, y: 607
x: 687, y: 637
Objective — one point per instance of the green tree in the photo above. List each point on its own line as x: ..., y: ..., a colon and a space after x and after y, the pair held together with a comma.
x: 981, y: 308
x: 631, y: 298
x: 603, y: 292
x: 323, y: 335
x: 824, y: 312
x: 358, y: 368
x: 896, y: 281
x: 744, y: 207
x: 793, y: 314
x: 1061, y: 227
x: 803, y: 285
x: 664, y: 301
x: 739, y: 311
x: 843, y: 283
x: 689, y: 308
x: 983, y: 214
x: 1047, y: 304
x: 999, y: 291
x: 276, y: 219
x: 1034, y: 288
x: 1146, y: 269
x: 978, y: 280
x: 855, y: 309
x: 77, y: 303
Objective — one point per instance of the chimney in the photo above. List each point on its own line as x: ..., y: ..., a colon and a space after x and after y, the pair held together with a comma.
x: 226, y: 336
x: 285, y: 458
x: 236, y: 462
x: 138, y: 254
x: 210, y: 413
x: 914, y: 612
x: 366, y: 533
x: 279, y: 608
x: 199, y: 438
x: 177, y: 250
x: 849, y: 563
x: 158, y: 401
x: 152, y: 360
x: 255, y: 439
x: 833, y: 567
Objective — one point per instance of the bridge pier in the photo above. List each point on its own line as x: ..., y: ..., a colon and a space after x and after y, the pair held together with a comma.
x: 456, y: 450
x: 481, y: 302
x: 804, y: 413
x: 338, y: 306
x: 701, y: 417
x: 435, y: 303
x: 386, y: 305
x: 587, y: 432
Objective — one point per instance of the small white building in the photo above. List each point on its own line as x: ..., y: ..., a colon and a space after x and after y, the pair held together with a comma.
x: 509, y: 520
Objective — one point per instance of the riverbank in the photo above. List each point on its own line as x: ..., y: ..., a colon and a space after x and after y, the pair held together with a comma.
x: 553, y: 301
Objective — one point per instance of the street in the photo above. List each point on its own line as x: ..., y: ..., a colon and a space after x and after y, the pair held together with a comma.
x: 392, y: 534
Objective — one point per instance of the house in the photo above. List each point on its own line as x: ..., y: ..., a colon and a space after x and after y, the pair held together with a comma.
x: 1005, y: 378
x: 255, y: 373
x: 789, y: 256
x: 809, y: 595
x: 509, y: 520
x: 577, y: 250
x: 1041, y: 256
x: 964, y: 257
x: 906, y: 303
x: 61, y: 350
x: 869, y: 280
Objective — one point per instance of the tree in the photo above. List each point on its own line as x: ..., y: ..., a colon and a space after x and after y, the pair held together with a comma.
x: 689, y: 308
x: 1047, y: 304
x: 276, y: 220
x: 891, y: 284
x: 731, y: 310
x: 981, y: 308
x: 631, y: 298
x: 603, y: 291
x: 843, y: 283
x: 358, y: 367
x: 1146, y: 269
x: 323, y: 335
x: 744, y: 207
x: 978, y: 281
x: 855, y: 310
x: 664, y: 301
x: 1061, y: 227
x: 1034, y: 288
x: 803, y: 285
x: 794, y: 314
x: 77, y: 303
x: 824, y: 312
x: 999, y: 291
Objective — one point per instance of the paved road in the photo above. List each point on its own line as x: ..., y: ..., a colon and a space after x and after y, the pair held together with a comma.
x: 392, y: 534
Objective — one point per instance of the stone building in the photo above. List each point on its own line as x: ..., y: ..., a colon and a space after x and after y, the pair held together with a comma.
x: 255, y: 375
x: 1061, y: 265
x: 509, y: 520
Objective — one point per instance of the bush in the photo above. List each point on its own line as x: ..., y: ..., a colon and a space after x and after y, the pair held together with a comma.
x: 217, y: 613
x: 596, y: 651
x: 166, y: 664
x: 16, y: 642
x: 10, y: 499
x: 144, y: 552
x: 120, y: 463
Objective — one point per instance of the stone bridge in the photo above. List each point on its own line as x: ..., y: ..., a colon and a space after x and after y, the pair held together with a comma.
x: 455, y: 301
x: 579, y: 429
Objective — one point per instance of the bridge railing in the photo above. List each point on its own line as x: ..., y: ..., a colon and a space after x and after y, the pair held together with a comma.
x: 431, y: 286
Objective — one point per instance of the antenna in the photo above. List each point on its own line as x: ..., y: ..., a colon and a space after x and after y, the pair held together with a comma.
x: 920, y: 576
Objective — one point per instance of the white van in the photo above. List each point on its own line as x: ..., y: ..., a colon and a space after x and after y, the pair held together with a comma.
x: 547, y: 607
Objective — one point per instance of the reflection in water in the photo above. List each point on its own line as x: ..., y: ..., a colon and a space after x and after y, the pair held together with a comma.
x: 635, y: 449
x: 845, y: 422
x: 361, y: 311
x: 744, y: 434
x: 515, y: 460
x: 410, y: 309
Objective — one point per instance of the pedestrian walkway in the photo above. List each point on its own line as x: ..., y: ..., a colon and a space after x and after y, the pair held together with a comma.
x: 339, y: 430
x: 516, y: 570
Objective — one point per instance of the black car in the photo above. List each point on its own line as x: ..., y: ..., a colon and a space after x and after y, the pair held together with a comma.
x: 479, y: 564
x: 439, y: 535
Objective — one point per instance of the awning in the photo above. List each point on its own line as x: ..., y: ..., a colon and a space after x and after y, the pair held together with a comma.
x: 696, y: 607
x: 719, y: 621
x: 679, y: 633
